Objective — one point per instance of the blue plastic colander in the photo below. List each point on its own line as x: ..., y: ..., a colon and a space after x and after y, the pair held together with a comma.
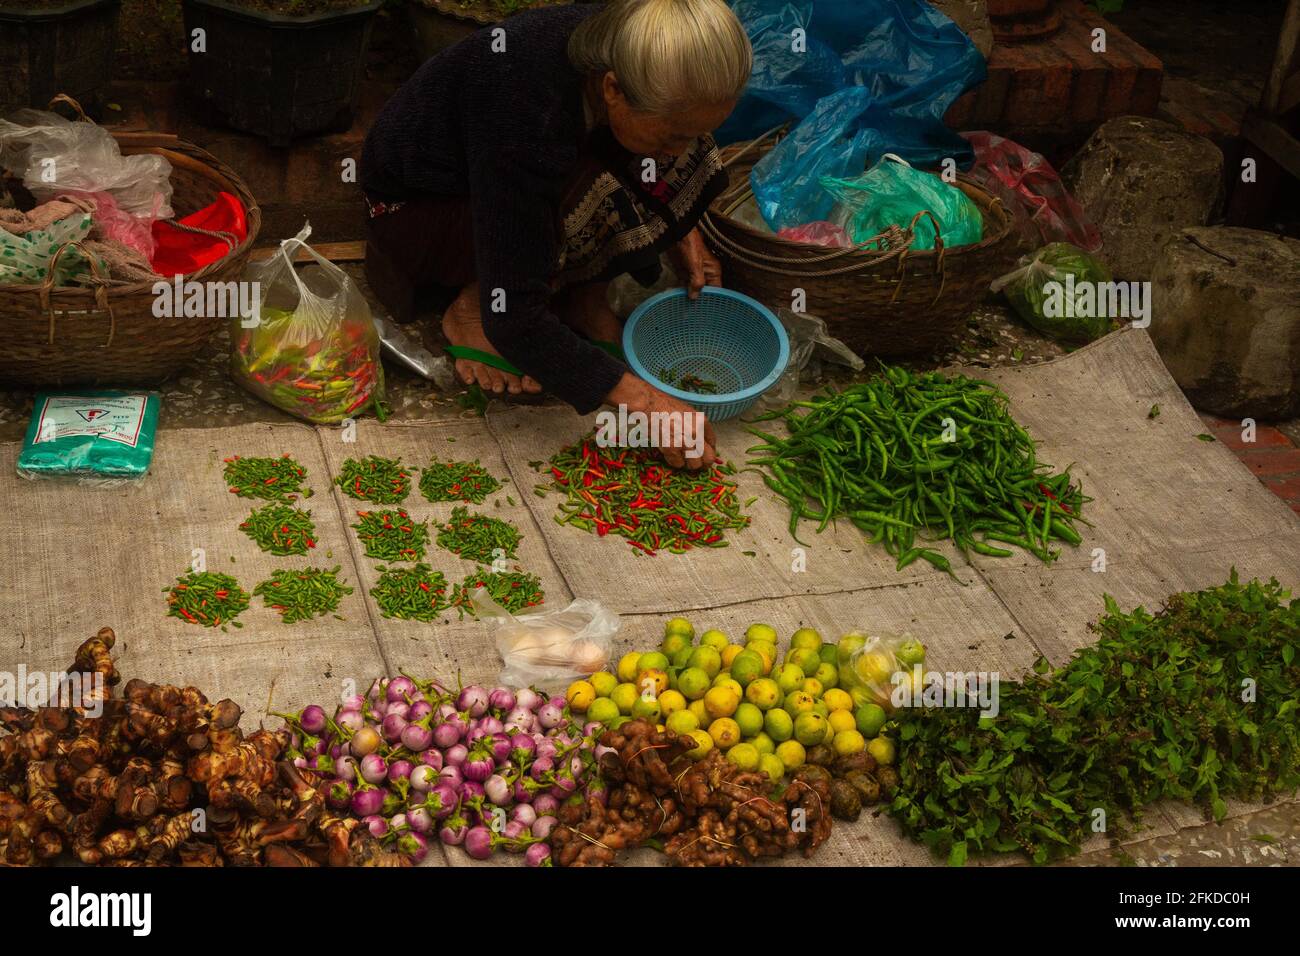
x: 722, y: 337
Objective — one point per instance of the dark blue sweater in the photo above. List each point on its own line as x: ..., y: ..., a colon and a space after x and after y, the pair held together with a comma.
x: 505, y: 129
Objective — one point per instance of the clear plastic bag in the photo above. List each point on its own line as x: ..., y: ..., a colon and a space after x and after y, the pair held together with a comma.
x: 312, y: 350
x: 90, y: 436
x: 1053, y: 272
x: 819, y: 233
x: 56, y: 156
x: 550, y: 649
x: 891, y: 193
x: 810, y: 344
x: 877, y: 669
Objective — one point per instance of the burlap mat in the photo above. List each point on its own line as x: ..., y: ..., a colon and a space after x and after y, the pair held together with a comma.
x: 1171, y: 513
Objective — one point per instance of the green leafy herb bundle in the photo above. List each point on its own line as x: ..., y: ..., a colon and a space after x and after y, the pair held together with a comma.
x: 1199, y: 702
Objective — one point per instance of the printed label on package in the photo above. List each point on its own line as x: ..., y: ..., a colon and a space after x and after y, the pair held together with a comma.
x: 115, y: 419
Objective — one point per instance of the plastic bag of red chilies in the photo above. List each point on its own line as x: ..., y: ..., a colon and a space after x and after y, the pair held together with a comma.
x: 1032, y: 192
x: 311, y: 349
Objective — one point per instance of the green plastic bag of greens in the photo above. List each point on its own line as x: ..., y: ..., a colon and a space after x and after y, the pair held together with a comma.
x: 1040, y: 289
x: 891, y: 193
x: 90, y: 436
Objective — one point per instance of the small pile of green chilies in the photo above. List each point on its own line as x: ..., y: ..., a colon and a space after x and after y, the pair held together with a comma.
x: 302, y: 595
x: 381, y: 480
x: 206, y: 598
x: 392, y: 535
x: 271, y: 479
x: 457, y: 481
x: 904, y: 454
x: 410, y: 594
x: 280, y: 529
x: 478, y: 537
x: 514, y: 590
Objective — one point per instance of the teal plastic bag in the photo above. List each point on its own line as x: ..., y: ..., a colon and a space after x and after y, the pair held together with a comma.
x: 891, y: 193
x: 90, y: 436
x: 1037, y: 287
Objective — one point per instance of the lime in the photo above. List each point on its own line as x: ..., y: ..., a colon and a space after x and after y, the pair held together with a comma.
x: 882, y: 748
x: 806, y: 637
x: 746, y: 668
x: 579, y: 696
x: 840, y: 720
x: 603, y: 709
x: 707, y: 659
x: 764, y: 650
x: 910, y: 652
x: 724, y: 680
x: 750, y: 719
x: 848, y: 742
x: 763, y: 693
x: 764, y: 743
x: 693, y: 682
x: 672, y: 676
x: 870, y: 718
x: 810, y: 728
x: 788, y: 677
x: 725, y: 732
x: 729, y: 654
x: 778, y: 724
x: 797, y: 702
x: 647, y: 708
x: 604, y: 682
x: 653, y: 660
x: 744, y: 756
x: 761, y: 632
x: 674, y: 643
x: 679, y: 625
x: 771, y: 765
x: 703, y: 744
x: 829, y: 654
x: 805, y: 657
x: 819, y: 707
x: 682, y: 659
x: 849, y: 645
x: 875, y: 667
x: 837, y: 699
x: 627, y: 666
x: 671, y: 702
x: 682, y: 722
x: 700, y: 711
x: 624, y: 696
x: 791, y: 754
x: 721, y: 701
x: 714, y: 639
x: 828, y: 675
x: 812, y: 687
x: 651, y: 681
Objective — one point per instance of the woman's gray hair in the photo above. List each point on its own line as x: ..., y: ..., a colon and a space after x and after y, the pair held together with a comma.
x: 666, y: 54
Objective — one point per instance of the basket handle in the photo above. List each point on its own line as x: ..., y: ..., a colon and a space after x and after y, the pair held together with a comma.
x: 76, y: 107
x: 98, y: 279
x: 893, y: 243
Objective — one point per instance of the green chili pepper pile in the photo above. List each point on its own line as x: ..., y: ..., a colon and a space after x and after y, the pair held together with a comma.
x: 457, y: 481
x: 280, y: 529
x: 381, y: 480
x: 392, y: 535
x: 302, y: 595
x: 478, y: 537
x: 272, y: 479
x: 881, y: 454
x: 207, y: 598
x: 688, y: 382
x: 410, y: 594
x: 513, y: 590
x: 637, y: 497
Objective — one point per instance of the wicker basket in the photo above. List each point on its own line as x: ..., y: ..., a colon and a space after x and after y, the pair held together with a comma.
x: 107, y: 333
x: 892, y: 302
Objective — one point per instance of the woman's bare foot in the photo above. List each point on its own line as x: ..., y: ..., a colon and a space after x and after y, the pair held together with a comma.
x: 585, y: 308
x: 462, y: 323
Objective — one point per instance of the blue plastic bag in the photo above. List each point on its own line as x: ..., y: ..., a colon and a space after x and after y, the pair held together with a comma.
x: 902, y: 63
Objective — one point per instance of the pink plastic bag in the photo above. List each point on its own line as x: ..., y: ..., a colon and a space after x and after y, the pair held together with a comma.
x: 820, y: 233
x: 1032, y: 192
x: 111, y: 221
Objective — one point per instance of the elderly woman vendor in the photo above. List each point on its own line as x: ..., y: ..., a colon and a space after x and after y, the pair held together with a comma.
x: 519, y: 171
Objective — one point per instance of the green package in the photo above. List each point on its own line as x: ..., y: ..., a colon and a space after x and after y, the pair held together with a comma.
x: 1038, y: 287
x: 892, y: 193
x: 90, y: 435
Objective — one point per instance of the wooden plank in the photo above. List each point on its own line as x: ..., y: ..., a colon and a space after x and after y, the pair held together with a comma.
x: 353, y: 251
x: 1280, y: 145
x: 1288, y: 41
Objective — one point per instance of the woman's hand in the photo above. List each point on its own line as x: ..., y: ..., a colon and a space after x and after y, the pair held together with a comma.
x: 638, y: 395
x: 695, y: 264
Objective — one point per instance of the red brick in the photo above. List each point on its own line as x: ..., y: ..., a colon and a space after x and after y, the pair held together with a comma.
x: 1288, y: 489
x: 1271, y: 463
